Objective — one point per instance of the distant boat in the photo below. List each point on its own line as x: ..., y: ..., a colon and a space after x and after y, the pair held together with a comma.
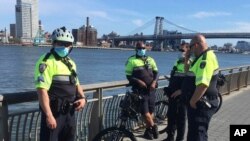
x: 246, y: 52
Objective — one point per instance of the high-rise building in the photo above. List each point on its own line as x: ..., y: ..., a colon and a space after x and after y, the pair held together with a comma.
x: 243, y: 45
x: 13, y: 30
x: 26, y: 19
x: 87, y: 35
x: 171, y: 43
x: 75, y: 34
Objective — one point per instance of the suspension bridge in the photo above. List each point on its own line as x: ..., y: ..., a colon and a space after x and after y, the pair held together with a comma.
x: 162, y: 38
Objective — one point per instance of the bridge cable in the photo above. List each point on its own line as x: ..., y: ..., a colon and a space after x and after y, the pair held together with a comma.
x: 141, y: 28
x: 169, y: 22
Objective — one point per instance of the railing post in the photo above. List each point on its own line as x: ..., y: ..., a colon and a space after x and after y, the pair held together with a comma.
x: 3, y: 119
x: 246, y: 79
x: 96, y: 115
x: 239, y: 77
x: 229, y: 81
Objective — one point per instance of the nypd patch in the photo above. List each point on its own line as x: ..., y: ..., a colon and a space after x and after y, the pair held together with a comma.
x: 202, y: 65
x: 42, y: 67
x: 40, y: 79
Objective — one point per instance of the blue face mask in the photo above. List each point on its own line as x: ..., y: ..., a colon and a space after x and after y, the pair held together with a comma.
x: 141, y: 52
x: 62, y: 51
x: 181, y: 55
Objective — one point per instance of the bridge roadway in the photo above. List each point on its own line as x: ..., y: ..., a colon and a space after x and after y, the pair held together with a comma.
x: 180, y: 36
x: 235, y: 110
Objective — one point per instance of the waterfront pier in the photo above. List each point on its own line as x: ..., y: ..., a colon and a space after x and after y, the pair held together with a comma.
x: 20, y: 115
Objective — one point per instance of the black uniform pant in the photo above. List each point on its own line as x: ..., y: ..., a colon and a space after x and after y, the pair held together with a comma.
x: 147, y: 104
x: 65, y: 130
x: 198, y: 121
x: 176, y: 118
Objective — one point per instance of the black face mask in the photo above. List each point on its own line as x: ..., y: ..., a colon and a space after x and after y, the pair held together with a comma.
x: 181, y: 50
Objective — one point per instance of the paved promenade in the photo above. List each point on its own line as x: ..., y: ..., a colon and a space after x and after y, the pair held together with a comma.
x: 235, y: 110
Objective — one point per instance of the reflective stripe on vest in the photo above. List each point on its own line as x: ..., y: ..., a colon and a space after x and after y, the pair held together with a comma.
x: 65, y: 78
x: 190, y: 73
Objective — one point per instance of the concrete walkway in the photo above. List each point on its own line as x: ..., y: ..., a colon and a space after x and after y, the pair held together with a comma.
x: 235, y: 110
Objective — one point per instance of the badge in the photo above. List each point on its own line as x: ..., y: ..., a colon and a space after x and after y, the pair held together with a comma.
x: 40, y: 79
x: 203, y: 65
x: 42, y: 67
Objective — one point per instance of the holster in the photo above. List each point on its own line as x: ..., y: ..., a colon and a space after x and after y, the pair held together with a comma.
x: 203, y: 103
x: 67, y: 107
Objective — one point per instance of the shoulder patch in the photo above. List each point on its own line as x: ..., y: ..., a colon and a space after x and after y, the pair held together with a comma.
x: 202, y: 65
x: 40, y: 79
x: 42, y: 67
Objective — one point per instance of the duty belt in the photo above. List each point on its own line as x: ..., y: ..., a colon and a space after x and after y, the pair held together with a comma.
x: 211, y: 97
x: 179, y: 74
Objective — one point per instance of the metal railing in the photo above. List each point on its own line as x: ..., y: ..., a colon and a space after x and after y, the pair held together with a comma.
x: 20, y: 115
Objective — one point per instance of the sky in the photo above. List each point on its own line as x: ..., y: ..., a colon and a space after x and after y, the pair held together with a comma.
x: 127, y: 17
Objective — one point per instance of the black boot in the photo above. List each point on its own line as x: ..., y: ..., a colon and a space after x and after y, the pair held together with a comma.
x: 148, y: 134
x: 155, y: 131
x: 170, y: 137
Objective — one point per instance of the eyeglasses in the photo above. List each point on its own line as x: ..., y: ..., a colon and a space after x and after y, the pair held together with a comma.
x: 191, y: 45
x: 140, y: 48
x: 65, y: 44
x: 181, y: 50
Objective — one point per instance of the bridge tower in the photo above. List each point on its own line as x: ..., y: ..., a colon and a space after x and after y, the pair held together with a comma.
x: 158, y: 31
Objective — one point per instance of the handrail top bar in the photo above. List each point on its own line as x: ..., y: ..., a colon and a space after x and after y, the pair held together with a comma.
x: 28, y: 96
x: 105, y: 85
x: 1, y: 98
x: 230, y: 68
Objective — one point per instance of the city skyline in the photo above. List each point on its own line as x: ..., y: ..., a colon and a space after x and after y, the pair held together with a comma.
x: 26, y: 12
x: 123, y: 17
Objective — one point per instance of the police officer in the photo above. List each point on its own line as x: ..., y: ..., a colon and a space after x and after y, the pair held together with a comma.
x: 200, y: 88
x: 142, y: 74
x: 59, y: 90
x: 177, y: 107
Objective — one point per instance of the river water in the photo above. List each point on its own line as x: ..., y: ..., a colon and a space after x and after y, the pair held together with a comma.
x: 93, y: 65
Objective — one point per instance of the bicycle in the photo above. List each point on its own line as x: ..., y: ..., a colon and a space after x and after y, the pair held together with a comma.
x: 221, y: 82
x: 129, y: 110
x: 161, y: 108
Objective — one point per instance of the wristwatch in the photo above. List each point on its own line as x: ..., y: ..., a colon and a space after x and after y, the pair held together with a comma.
x: 82, y: 97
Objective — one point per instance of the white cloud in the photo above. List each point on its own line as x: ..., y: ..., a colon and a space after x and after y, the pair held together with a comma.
x: 236, y: 27
x: 138, y: 22
x: 204, y: 14
x: 242, y: 26
x: 127, y: 12
x: 99, y: 14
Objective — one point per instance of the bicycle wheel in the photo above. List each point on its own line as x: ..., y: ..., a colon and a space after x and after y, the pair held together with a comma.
x: 115, y: 134
x: 161, y: 109
x: 220, y: 102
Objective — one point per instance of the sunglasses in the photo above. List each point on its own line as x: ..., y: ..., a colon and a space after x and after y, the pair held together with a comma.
x: 140, y: 48
x: 65, y: 44
x: 191, y: 45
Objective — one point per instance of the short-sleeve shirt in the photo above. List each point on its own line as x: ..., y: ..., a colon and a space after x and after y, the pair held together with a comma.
x: 44, y: 77
x: 205, y: 68
x: 134, y: 62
